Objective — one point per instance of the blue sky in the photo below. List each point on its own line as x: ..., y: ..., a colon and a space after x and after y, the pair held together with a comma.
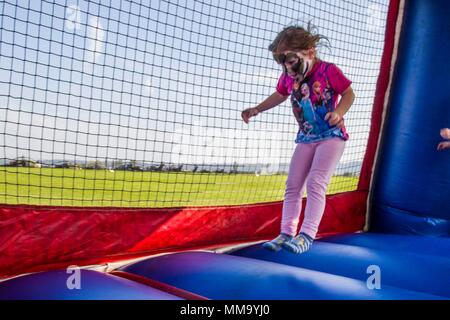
x: 167, y: 80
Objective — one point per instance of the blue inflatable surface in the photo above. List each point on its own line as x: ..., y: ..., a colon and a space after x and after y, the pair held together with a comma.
x: 329, y: 271
x: 434, y: 246
x: 403, y: 266
x: 52, y: 285
x: 410, y: 267
x: 412, y: 181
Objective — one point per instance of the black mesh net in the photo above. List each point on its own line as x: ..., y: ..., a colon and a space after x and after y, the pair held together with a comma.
x: 138, y: 103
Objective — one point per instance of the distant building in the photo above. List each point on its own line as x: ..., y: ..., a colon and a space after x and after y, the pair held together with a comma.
x: 24, y: 162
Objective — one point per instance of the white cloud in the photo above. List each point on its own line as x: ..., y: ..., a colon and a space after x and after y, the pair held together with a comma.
x: 95, y: 36
x: 73, y: 19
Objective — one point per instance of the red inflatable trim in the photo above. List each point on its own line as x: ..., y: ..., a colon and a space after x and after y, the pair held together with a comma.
x: 159, y: 285
x: 380, y: 94
x: 34, y: 238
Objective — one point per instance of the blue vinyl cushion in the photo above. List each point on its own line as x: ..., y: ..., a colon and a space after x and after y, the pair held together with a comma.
x: 327, y: 271
x: 52, y: 285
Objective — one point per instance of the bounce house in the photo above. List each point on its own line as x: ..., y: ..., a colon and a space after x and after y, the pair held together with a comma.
x: 386, y: 237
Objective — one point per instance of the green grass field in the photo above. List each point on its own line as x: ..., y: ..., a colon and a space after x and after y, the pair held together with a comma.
x: 71, y: 187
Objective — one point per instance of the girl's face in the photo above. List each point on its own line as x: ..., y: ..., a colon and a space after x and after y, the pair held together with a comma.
x: 292, y: 63
x: 292, y: 59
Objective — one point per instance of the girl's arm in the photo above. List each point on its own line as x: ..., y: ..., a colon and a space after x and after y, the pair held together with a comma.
x: 272, y: 101
x: 347, y: 99
x: 444, y: 145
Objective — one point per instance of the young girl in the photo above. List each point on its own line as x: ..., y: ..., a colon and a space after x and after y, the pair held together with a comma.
x: 321, y: 136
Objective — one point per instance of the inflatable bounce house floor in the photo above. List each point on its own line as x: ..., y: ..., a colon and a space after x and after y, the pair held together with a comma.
x: 339, y: 267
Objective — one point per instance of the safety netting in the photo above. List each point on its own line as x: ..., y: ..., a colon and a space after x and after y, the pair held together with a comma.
x: 138, y: 103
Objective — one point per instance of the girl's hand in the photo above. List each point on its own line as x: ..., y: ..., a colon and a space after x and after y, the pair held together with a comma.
x: 443, y: 145
x: 335, y: 119
x: 248, y: 113
x: 445, y: 133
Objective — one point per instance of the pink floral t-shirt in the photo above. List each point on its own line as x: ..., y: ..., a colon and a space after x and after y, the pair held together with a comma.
x: 313, y: 98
